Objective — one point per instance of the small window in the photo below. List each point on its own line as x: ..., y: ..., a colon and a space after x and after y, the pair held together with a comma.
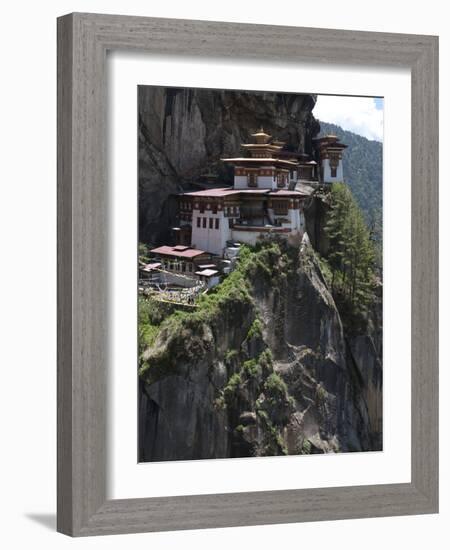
x: 333, y: 171
x: 252, y: 179
x: 204, y: 222
x: 217, y: 223
x: 280, y: 179
x: 280, y: 208
x: 198, y: 222
x: 211, y: 221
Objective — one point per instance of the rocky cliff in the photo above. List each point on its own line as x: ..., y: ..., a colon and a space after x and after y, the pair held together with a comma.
x: 183, y: 133
x: 284, y: 379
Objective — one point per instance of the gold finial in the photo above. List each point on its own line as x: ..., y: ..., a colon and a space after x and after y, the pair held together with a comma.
x: 261, y: 136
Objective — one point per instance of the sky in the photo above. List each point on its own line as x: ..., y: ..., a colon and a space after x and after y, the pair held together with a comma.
x: 361, y: 115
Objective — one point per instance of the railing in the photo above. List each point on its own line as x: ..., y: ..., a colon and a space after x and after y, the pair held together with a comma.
x: 262, y: 228
x: 161, y: 291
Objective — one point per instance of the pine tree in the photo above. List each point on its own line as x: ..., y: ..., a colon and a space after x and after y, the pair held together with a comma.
x: 351, y: 253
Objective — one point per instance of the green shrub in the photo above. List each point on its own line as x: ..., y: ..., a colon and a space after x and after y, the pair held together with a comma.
x: 273, y: 440
x: 232, y: 387
x: 321, y: 393
x: 219, y: 402
x: 255, y: 330
x: 147, y: 335
x: 230, y: 355
x: 266, y: 360
x: 251, y: 368
x: 304, y: 448
x: 275, y: 386
x: 261, y: 412
x: 143, y: 252
x: 148, y: 323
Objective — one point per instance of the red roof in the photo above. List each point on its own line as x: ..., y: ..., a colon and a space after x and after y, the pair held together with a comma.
x: 172, y: 251
x: 256, y: 190
x: 286, y: 192
x: 263, y: 160
x: 223, y: 192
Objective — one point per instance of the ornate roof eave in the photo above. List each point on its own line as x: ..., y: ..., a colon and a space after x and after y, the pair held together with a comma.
x: 334, y: 146
x: 253, y: 160
x: 261, y: 146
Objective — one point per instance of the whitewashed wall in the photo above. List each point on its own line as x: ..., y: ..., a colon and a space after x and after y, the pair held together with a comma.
x: 266, y: 182
x: 263, y: 182
x: 327, y: 172
x: 240, y: 182
x: 247, y: 237
x: 296, y: 218
x: 211, y: 240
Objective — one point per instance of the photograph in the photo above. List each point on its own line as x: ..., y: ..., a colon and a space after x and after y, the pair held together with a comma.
x: 259, y: 274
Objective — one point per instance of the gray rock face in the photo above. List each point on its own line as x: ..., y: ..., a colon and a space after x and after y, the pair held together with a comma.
x: 181, y: 416
x: 181, y: 421
x: 223, y: 395
x: 322, y: 373
x: 183, y: 133
x: 367, y: 361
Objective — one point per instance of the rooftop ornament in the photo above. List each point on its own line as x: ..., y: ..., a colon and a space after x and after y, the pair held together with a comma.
x: 261, y: 136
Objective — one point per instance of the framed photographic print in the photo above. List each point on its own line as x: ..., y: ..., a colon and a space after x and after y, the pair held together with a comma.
x: 247, y: 274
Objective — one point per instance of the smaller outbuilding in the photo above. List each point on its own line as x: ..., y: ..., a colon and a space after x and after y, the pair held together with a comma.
x: 181, y: 259
x: 209, y: 276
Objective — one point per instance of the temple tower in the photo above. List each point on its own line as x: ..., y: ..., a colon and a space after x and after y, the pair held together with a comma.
x: 263, y: 168
x: 330, y: 154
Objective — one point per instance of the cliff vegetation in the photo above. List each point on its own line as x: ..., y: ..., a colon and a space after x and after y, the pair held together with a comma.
x: 261, y: 367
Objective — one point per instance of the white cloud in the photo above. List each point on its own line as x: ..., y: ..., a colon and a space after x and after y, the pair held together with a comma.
x: 356, y: 114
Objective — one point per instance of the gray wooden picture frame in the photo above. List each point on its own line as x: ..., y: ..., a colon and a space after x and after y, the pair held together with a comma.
x: 83, y: 41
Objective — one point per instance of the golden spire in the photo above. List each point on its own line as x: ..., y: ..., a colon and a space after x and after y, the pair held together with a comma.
x: 261, y: 136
